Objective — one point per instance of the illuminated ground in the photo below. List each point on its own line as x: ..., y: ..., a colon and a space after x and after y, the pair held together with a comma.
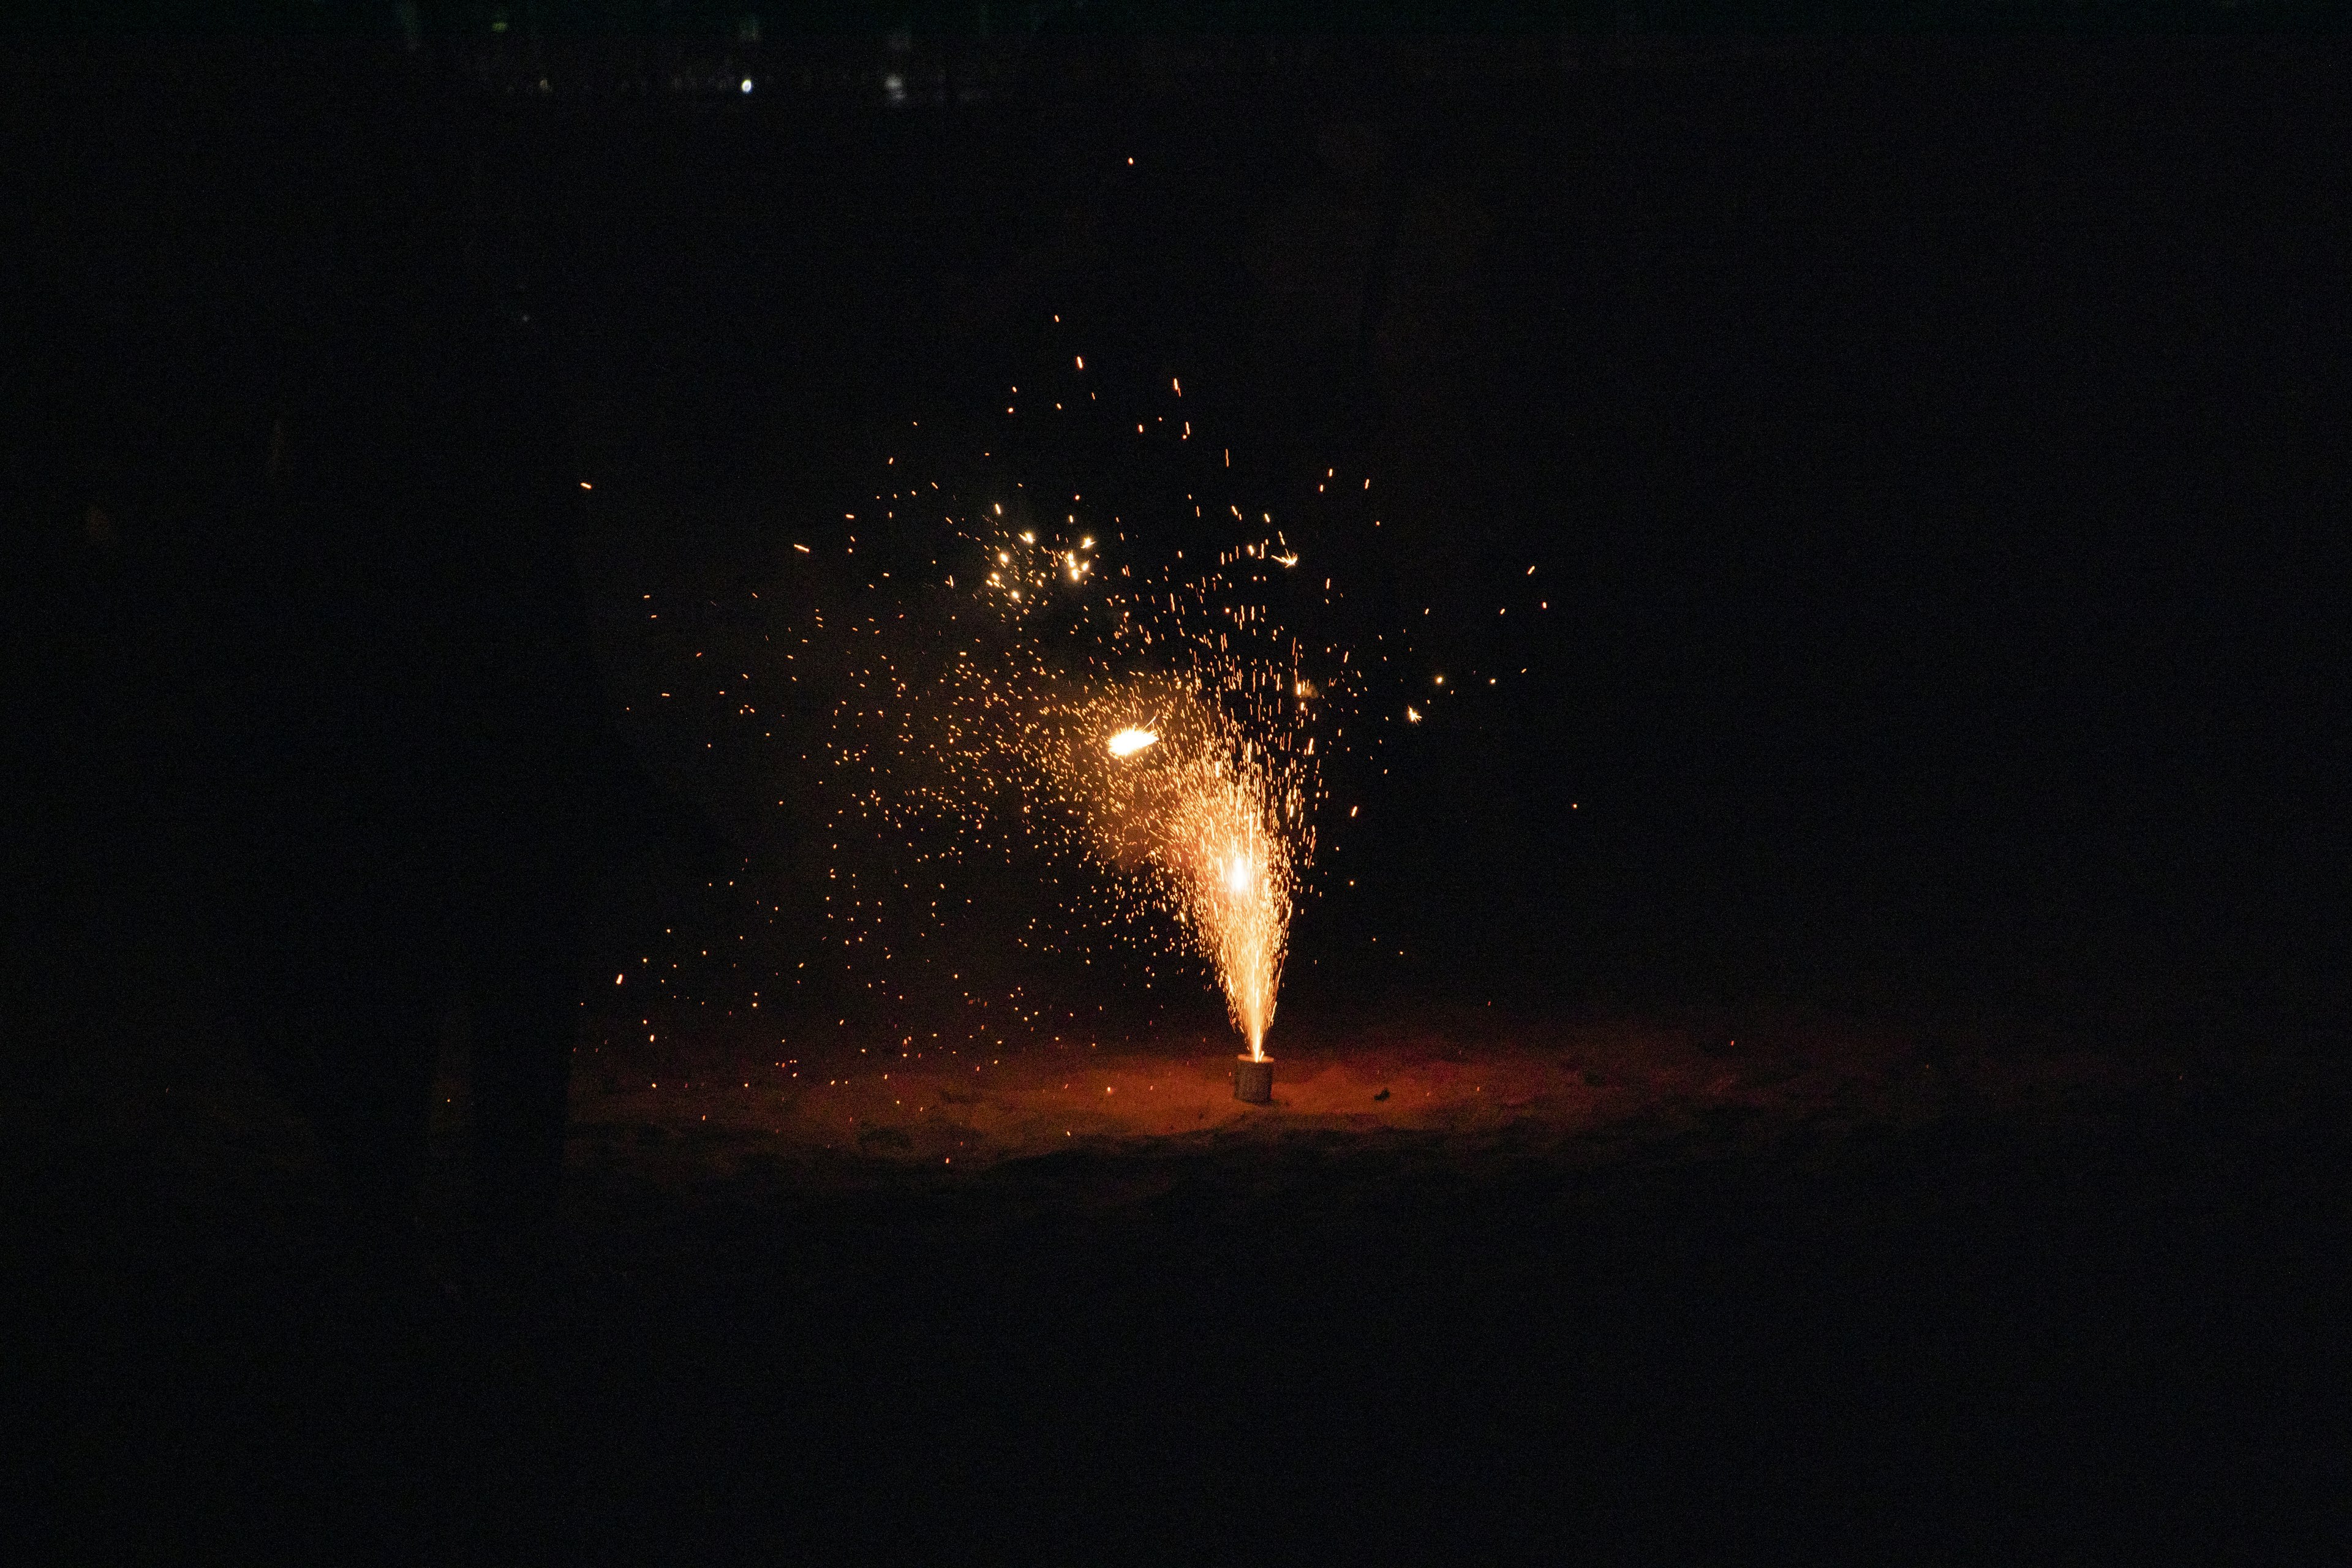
x: 1456, y: 1090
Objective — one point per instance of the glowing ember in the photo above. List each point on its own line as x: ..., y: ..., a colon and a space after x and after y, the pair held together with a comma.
x: 1126, y: 742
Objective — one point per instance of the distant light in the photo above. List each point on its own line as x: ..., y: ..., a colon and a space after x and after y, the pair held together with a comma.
x: 894, y: 87
x: 587, y: 486
x: 747, y: 84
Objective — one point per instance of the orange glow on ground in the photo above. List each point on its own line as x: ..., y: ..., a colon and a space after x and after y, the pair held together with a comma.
x: 1576, y: 1093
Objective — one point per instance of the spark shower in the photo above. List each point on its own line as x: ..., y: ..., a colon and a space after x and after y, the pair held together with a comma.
x: 1046, y: 675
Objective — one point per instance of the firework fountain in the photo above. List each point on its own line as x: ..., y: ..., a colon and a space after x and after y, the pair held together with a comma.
x: 1056, y: 641
x: 1191, y: 783
x: 1201, y: 802
x: 1152, y: 719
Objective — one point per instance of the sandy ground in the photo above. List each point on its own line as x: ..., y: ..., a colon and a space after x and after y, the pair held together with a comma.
x: 1457, y: 1092
x: 1451, y: 1095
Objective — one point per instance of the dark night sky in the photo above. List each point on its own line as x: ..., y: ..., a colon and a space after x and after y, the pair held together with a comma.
x: 1929, y: 449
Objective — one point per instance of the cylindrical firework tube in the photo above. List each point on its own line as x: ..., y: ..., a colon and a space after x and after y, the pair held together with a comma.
x: 1253, y: 1080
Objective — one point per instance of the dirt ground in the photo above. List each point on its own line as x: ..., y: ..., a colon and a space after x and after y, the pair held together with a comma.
x: 1617, y: 1289
x: 1461, y: 1088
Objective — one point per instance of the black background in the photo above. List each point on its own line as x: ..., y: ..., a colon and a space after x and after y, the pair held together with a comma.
x: 1930, y: 452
